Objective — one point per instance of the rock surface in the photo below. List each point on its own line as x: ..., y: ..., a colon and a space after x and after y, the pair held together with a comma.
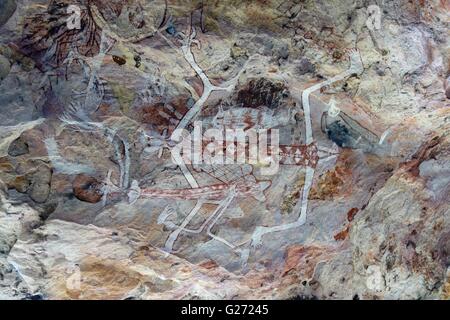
x: 7, y: 8
x: 94, y: 206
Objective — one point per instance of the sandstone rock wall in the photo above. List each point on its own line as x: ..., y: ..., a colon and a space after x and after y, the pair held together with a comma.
x: 92, y: 205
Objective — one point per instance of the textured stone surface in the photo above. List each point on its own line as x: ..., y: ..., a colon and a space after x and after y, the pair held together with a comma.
x: 92, y: 205
x: 5, y: 67
x: 7, y: 8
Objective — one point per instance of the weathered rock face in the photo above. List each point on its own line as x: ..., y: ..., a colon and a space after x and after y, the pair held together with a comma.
x: 96, y: 202
x: 18, y: 147
x: 7, y: 8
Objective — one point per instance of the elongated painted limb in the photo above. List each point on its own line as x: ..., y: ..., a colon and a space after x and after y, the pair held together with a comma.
x: 202, y: 227
x: 105, y: 45
x: 384, y: 136
x: 169, y: 211
x: 108, y: 188
x: 189, y: 57
x: 123, y: 160
x: 221, y: 205
x: 208, y: 87
x: 166, y: 213
x: 174, y: 235
x: 184, y: 169
x: 301, y: 206
x: 222, y: 208
x: 306, y: 189
x: 193, y: 111
x: 356, y: 67
x: 196, y: 108
x: 218, y: 212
